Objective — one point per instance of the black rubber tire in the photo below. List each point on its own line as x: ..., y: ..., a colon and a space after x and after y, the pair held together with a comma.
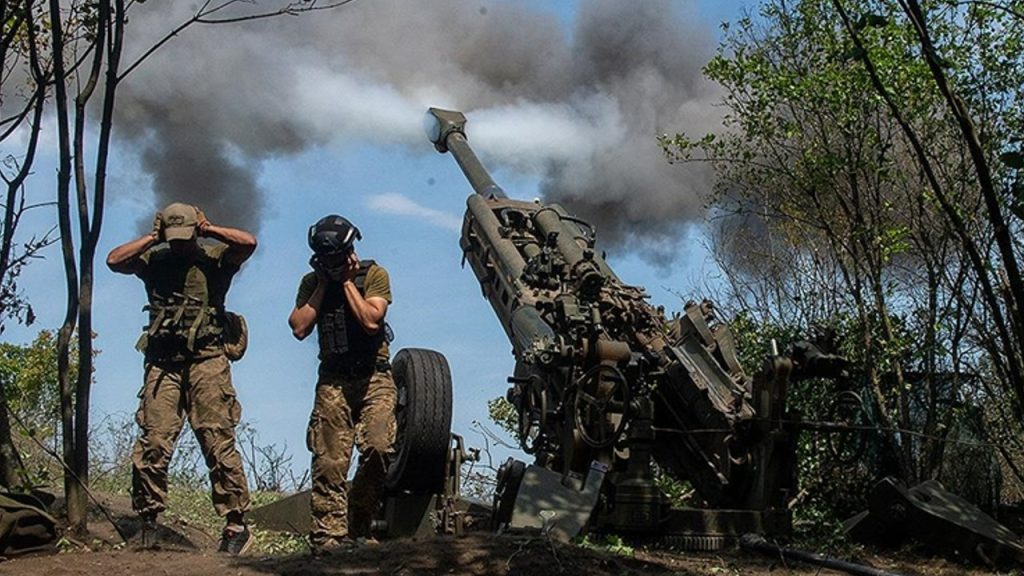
x: 424, y: 414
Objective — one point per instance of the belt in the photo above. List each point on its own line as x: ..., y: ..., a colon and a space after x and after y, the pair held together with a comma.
x: 350, y: 369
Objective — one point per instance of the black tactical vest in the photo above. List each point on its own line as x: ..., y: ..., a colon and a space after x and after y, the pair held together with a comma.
x: 344, y: 344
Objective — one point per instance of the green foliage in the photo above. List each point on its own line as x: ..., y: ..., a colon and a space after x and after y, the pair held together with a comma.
x: 818, y: 528
x: 874, y: 20
x: 1016, y: 203
x: 677, y: 492
x: 754, y: 339
x: 610, y: 544
x: 831, y: 490
x: 504, y: 414
x: 29, y: 377
x: 191, y: 504
x: 65, y: 546
x: 823, y: 216
x: 273, y: 543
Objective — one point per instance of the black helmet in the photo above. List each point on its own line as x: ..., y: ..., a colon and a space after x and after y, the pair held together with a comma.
x: 332, y: 235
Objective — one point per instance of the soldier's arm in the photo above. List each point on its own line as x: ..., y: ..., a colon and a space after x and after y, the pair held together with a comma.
x: 303, y: 317
x: 369, y: 311
x: 241, y: 244
x: 125, y: 258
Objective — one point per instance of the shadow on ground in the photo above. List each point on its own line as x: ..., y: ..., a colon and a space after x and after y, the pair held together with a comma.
x: 475, y: 554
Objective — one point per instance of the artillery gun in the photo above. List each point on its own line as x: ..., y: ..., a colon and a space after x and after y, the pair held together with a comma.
x: 609, y: 391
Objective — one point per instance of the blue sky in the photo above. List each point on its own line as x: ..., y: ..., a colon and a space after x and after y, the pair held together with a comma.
x: 407, y: 200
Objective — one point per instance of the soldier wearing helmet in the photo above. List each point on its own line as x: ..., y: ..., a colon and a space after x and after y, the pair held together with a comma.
x: 346, y: 300
x: 186, y: 367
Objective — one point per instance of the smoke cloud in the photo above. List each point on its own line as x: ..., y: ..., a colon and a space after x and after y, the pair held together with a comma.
x: 580, y: 107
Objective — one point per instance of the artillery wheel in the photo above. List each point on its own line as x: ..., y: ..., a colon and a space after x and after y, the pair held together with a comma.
x: 601, y: 396
x: 848, y: 410
x: 424, y: 415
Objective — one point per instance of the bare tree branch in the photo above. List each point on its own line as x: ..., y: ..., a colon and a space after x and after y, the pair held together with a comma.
x: 996, y: 6
x: 201, y: 16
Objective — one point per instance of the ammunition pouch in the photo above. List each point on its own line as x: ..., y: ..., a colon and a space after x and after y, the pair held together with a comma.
x: 236, y: 336
x: 180, y: 328
x: 332, y: 331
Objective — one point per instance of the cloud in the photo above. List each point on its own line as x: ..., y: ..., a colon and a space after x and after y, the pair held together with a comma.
x: 399, y: 205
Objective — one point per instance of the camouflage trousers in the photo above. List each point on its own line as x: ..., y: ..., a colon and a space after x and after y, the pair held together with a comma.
x: 201, y: 390
x: 349, y: 410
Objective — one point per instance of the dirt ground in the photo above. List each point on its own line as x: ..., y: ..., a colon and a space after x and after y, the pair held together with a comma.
x: 189, y: 549
x: 478, y: 553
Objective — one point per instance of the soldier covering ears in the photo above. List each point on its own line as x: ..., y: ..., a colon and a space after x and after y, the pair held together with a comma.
x: 346, y: 300
x: 187, y: 373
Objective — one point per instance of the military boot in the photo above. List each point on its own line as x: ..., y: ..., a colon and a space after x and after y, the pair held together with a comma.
x: 235, y: 540
x: 148, y: 537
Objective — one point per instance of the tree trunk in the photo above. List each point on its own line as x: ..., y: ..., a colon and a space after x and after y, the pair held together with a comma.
x: 74, y: 496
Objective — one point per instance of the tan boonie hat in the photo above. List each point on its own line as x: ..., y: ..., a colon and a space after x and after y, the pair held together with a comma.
x: 180, y: 221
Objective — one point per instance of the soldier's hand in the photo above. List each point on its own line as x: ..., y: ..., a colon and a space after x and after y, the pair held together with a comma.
x: 202, y: 223
x: 158, y: 227
x: 318, y: 267
x: 351, y: 269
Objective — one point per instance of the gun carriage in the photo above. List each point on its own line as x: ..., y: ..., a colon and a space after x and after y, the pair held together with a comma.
x: 606, y: 384
x: 610, y: 393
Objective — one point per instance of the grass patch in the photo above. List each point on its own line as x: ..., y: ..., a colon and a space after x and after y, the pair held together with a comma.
x: 192, y: 507
x: 611, y: 544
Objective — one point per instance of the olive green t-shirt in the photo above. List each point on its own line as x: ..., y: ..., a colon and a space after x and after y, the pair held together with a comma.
x: 377, y: 284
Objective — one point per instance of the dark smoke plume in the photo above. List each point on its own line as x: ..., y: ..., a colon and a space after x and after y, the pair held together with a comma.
x: 580, y: 108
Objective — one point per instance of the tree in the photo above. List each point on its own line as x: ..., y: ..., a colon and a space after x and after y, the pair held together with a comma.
x: 826, y: 213
x: 23, y: 84
x: 28, y: 376
x: 979, y: 83
x: 86, y: 45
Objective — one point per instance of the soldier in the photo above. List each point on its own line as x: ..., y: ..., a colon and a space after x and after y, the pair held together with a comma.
x: 346, y: 300
x: 186, y: 369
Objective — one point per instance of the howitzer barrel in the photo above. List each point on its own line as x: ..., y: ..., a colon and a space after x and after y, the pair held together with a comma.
x: 598, y: 367
x: 447, y: 130
x: 508, y: 257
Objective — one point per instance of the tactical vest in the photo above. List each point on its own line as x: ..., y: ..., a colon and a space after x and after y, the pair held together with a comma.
x: 186, y: 306
x: 343, y: 341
